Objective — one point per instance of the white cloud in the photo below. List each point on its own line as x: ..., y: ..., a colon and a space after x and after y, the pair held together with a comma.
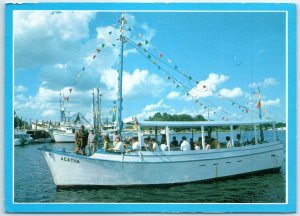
x: 205, y: 87
x: 45, y: 37
x: 20, y: 88
x: 173, y: 95
x: 268, y: 82
x: 275, y: 102
x: 236, y: 92
x: 60, y: 44
x: 156, y: 107
x: 139, y: 83
x: 130, y: 51
x: 48, y: 113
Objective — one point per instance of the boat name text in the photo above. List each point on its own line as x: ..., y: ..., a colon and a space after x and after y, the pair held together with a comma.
x: 67, y: 159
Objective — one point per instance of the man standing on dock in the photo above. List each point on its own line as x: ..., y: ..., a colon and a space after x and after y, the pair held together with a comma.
x: 81, y: 137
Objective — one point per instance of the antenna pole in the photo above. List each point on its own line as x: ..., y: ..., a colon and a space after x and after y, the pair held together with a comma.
x: 94, y: 116
x: 120, y: 99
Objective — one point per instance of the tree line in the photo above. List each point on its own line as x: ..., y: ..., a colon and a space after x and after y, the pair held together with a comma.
x: 176, y: 117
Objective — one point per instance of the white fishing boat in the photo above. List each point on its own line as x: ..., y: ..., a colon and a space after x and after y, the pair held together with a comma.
x: 168, y: 167
x: 65, y: 134
x: 256, y: 151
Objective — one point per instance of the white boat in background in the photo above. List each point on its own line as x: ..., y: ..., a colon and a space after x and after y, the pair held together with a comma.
x: 22, y: 139
x: 65, y: 134
x: 40, y: 125
x: 169, y: 167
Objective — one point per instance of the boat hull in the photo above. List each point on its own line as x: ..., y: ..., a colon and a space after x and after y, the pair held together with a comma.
x: 63, y: 137
x: 149, y: 168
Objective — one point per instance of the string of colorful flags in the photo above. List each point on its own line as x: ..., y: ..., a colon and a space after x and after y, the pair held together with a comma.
x: 179, y: 84
x: 161, y: 62
x: 160, y: 59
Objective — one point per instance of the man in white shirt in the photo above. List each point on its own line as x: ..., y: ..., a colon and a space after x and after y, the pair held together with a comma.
x: 155, y: 147
x: 164, y: 147
x: 185, y: 146
x: 118, y: 145
x: 229, y: 143
x: 136, y: 146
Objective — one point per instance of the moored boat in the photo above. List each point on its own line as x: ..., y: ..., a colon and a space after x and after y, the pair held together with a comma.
x: 107, y: 168
x: 39, y: 136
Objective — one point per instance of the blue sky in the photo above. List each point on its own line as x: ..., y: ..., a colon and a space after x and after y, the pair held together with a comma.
x: 229, y: 53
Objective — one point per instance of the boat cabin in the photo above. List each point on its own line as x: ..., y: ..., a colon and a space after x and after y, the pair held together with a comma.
x: 213, y: 133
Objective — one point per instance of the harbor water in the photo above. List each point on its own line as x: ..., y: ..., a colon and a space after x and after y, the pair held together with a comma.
x: 33, y: 183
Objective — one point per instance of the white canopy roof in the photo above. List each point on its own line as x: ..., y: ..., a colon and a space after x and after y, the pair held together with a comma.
x: 193, y: 124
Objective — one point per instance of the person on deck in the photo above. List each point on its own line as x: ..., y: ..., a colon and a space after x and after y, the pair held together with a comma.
x: 196, y: 146
x: 229, y: 143
x: 92, y: 141
x: 164, y: 147
x: 135, y: 144
x: 106, y: 142
x: 185, y: 146
x: 81, y: 138
x: 238, y: 140
x: 118, y: 145
x: 192, y: 143
x: 163, y: 139
x: 155, y: 146
x: 174, y: 144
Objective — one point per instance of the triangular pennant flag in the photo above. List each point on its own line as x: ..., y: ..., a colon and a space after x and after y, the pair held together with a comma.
x: 98, y: 50
x: 204, y: 86
x: 233, y: 103
x: 110, y: 32
x: 103, y: 45
x: 129, y: 29
x: 149, y: 56
x: 70, y: 90
x: 146, y: 42
x: 114, y: 44
x: 160, y: 55
x: 140, y: 44
x: 169, y: 78
x: 83, y: 68
x: 190, y: 78
x: 177, y: 86
x: 158, y: 67
x: 175, y: 67
x: 94, y: 56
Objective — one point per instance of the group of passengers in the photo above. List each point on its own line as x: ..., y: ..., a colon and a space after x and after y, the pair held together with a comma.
x: 89, y: 139
x: 150, y: 144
